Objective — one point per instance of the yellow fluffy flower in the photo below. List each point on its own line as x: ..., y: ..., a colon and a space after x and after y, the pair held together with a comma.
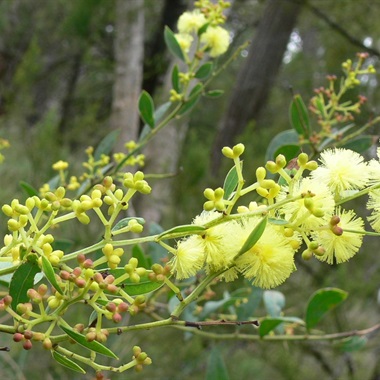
x: 296, y: 212
x: 270, y: 261
x: 189, y: 257
x: 342, y: 169
x: 190, y: 22
x: 217, y: 40
x: 220, y: 245
x: 374, y: 205
x: 343, y: 246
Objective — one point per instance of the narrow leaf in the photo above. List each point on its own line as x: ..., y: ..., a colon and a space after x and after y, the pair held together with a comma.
x: 29, y: 190
x: 278, y: 222
x: 352, y: 344
x: 299, y: 116
x: 124, y: 223
x: 50, y: 274
x: 321, y: 302
x: 187, y: 229
x: 204, y: 71
x: 172, y: 44
x: 230, y: 182
x: 214, y: 93
x: 359, y: 144
x: 93, y: 346
x: 216, y: 368
x: 22, y: 280
x: 106, y: 145
x: 66, y: 362
x: 254, y: 236
x: 175, y: 78
x: 146, y: 109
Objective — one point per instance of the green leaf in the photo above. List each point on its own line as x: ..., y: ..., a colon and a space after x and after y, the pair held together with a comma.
x: 269, y: 324
x: 231, y: 182
x: 254, y: 236
x: 289, y: 151
x: 93, y: 346
x: 216, y: 368
x: 22, y: 280
x: 66, y: 362
x: 192, y: 100
x: 299, y: 116
x: 214, y: 93
x: 155, y: 251
x: 139, y: 254
x: 289, y: 137
x: 359, y: 144
x: 175, y: 79
x: 133, y: 289
x: 352, y: 343
x: 204, y: 71
x: 172, y: 44
x: 187, y: 229
x: 274, y: 302
x: 278, y: 222
x: 50, y: 274
x: 321, y: 302
x: 106, y: 145
x: 203, y: 28
x: 146, y: 109
x: 124, y: 223
x: 29, y: 190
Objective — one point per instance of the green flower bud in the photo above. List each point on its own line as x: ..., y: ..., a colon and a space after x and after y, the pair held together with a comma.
x: 260, y: 173
x: 281, y: 161
x: 272, y: 167
x: 311, y: 165
x: 228, y: 152
x: 209, y: 194
x: 302, y: 159
x: 7, y: 210
x: 238, y: 150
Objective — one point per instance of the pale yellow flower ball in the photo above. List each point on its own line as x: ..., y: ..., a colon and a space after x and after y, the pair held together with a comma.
x: 184, y: 41
x: 190, y: 22
x: 217, y: 40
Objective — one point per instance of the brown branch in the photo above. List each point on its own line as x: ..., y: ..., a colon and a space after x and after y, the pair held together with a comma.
x: 343, y: 32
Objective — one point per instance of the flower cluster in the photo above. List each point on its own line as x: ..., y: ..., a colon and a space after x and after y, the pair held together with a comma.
x: 303, y: 208
x: 204, y: 22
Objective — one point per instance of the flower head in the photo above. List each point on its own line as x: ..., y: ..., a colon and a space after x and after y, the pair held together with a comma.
x: 216, y: 39
x: 298, y: 214
x: 374, y: 205
x: 341, y: 169
x: 190, y: 22
x: 184, y: 41
x: 189, y: 257
x: 341, y: 246
x: 270, y: 261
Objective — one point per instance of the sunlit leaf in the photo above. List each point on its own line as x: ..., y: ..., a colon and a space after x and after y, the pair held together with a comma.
x: 146, y: 109
x: 66, y: 362
x: 172, y: 44
x: 231, y: 182
x: 187, y: 229
x: 50, y: 274
x: 93, y: 346
x: 22, y: 280
x: 321, y: 302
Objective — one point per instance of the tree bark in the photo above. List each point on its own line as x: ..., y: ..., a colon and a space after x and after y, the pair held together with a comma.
x: 129, y: 52
x: 258, y: 72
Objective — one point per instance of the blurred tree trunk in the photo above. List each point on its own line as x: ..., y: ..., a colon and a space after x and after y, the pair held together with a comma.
x: 129, y: 52
x: 258, y: 72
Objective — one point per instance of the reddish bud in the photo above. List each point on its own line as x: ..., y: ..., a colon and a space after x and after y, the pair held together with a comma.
x: 27, y: 345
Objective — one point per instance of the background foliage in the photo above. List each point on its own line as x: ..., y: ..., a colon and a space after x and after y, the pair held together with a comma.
x: 57, y: 66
